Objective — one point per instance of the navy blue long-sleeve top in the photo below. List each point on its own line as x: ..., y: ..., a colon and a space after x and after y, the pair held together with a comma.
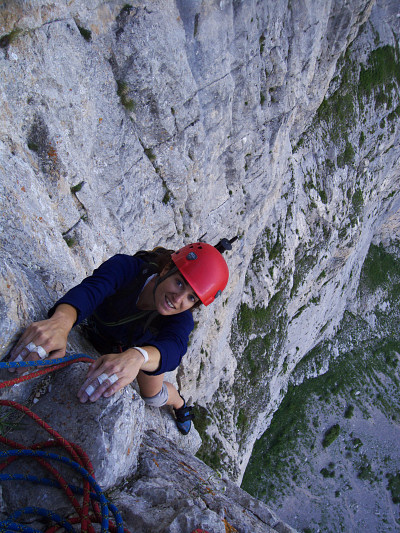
x: 92, y: 297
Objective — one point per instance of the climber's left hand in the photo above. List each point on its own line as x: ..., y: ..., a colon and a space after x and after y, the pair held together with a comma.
x: 111, y: 372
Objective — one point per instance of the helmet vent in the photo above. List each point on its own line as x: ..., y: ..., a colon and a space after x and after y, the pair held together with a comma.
x: 191, y: 256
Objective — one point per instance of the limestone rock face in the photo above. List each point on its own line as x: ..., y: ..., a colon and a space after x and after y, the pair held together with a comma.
x: 127, y: 126
x: 199, y: 498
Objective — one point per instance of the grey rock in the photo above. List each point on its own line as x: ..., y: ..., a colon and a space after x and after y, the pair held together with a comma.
x: 109, y: 431
x: 174, y: 492
x: 128, y: 127
x: 163, y: 422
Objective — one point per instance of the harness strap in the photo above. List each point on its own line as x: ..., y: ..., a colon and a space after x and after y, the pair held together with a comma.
x: 126, y: 320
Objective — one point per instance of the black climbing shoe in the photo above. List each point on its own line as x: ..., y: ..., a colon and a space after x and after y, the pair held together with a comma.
x: 184, y: 418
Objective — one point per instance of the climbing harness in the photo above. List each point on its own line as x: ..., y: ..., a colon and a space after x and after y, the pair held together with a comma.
x: 91, y: 492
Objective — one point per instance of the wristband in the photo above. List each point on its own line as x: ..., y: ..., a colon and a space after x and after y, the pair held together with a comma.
x: 143, y: 352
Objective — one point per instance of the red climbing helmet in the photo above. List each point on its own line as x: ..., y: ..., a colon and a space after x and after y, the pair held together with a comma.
x: 204, y: 268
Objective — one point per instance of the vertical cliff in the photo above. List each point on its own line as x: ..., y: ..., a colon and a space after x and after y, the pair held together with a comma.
x: 339, y: 194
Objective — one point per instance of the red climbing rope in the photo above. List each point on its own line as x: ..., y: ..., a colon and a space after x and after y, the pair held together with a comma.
x: 85, y: 517
x: 74, y: 450
x: 44, y: 371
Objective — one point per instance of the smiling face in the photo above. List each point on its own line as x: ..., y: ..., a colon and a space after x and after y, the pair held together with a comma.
x: 174, y: 295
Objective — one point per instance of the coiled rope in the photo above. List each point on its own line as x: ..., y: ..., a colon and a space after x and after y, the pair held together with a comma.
x: 79, y: 462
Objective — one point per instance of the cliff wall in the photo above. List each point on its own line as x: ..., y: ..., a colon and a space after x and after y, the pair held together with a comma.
x: 128, y: 126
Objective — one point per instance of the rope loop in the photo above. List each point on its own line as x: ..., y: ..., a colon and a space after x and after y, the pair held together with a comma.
x: 80, y: 463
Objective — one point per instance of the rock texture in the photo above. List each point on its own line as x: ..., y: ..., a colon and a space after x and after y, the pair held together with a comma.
x: 338, y: 195
x: 199, y: 498
x: 127, y: 126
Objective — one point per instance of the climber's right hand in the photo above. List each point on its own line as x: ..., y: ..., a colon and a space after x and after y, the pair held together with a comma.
x: 47, y: 338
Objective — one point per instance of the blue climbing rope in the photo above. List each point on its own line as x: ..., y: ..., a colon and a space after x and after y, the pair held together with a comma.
x: 84, y: 473
x: 53, y: 483
x: 5, y: 527
x: 44, y: 362
x: 10, y: 524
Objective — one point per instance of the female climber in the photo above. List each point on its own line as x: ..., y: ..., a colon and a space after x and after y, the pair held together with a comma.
x: 138, y: 311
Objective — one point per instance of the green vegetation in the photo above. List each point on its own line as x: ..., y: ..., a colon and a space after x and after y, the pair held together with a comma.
x: 196, y: 24
x: 77, y: 187
x: 86, y: 34
x: 122, y: 92
x: 346, y: 157
x: 242, y: 421
x: 276, y: 250
x: 381, y: 269
x: 379, y: 75
x: 358, y: 85
x: 331, y: 435
x: 366, y: 373
x: 70, y: 241
x: 210, y: 451
x: 258, y: 355
x: 365, y: 471
x: 271, y: 451
x: 203, y: 418
x: 290, y: 426
x: 323, y: 196
x: 262, y: 43
x: 327, y: 473
x: 168, y: 194
x: 126, y: 9
x: 338, y: 112
x: 6, y: 40
x: 255, y: 355
x: 357, y: 201
x: 395, y: 114
x: 33, y: 146
x: 255, y: 320
x: 394, y: 486
x: 349, y: 411
x: 150, y: 154
x: 271, y: 243
x: 305, y: 260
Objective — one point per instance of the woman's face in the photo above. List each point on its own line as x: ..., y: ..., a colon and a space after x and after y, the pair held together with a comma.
x: 174, y: 295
